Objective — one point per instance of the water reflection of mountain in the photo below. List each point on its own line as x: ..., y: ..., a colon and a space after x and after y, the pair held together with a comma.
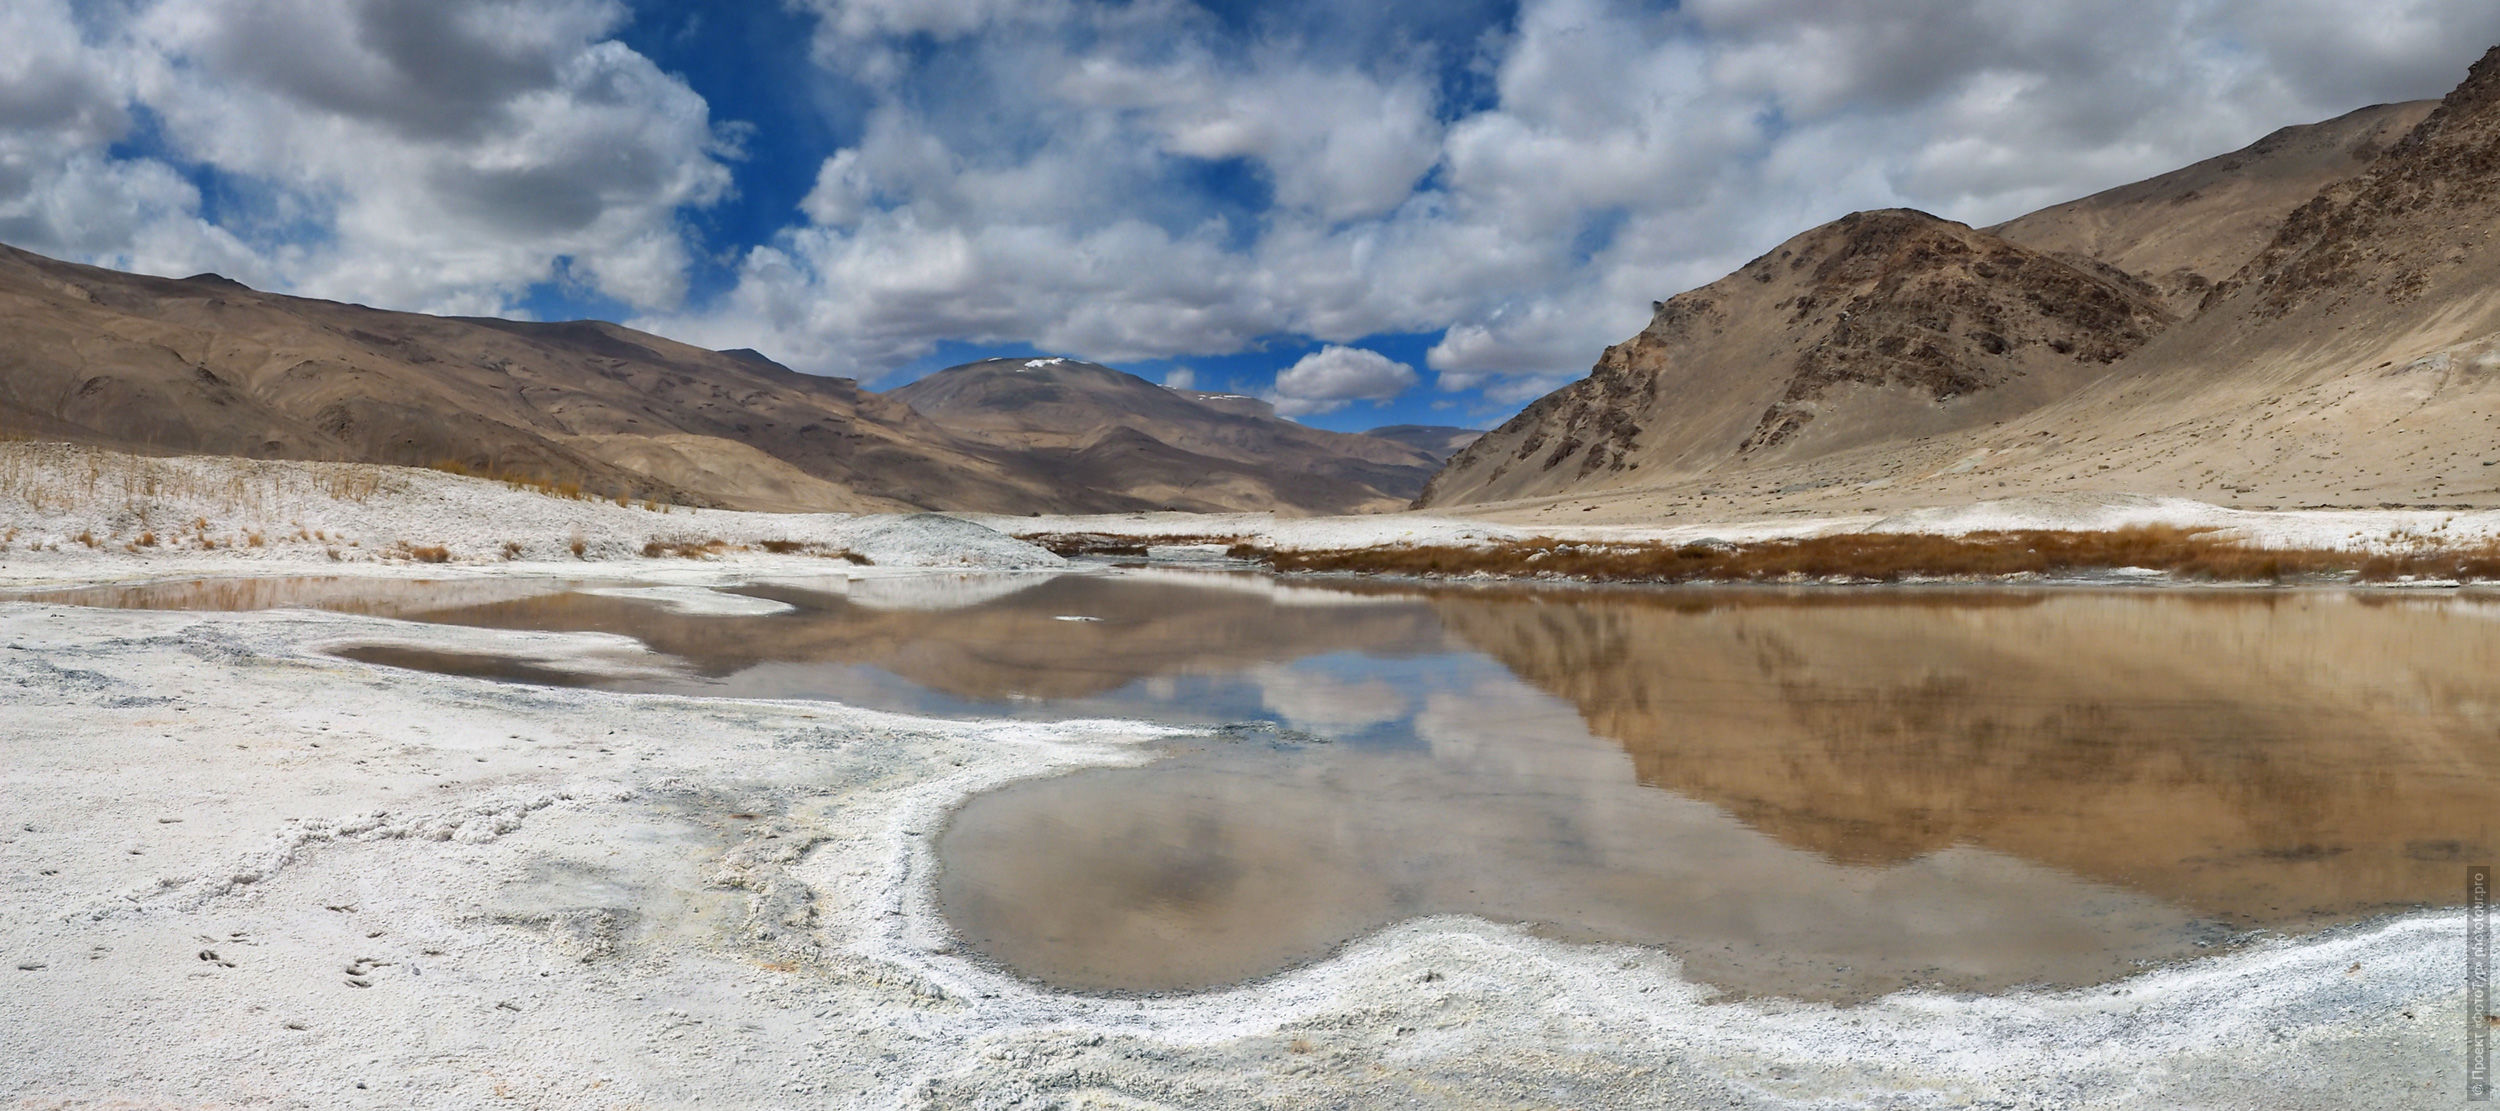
x: 2262, y: 757
x: 1025, y: 643
x: 2259, y: 757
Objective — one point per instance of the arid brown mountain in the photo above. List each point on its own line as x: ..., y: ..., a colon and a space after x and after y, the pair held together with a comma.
x: 1440, y: 441
x: 2305, y: 322
x: 1875, y: 325
x: 2189, y: 229
x: 207, y: 365
x: 1085, y: 426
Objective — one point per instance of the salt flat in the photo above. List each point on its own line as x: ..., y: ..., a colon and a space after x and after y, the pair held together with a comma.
x: 236, y: 870
x: 239, y: 871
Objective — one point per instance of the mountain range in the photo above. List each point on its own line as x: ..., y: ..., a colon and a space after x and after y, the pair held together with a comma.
x: 2309, y: 321
x: 2304, y: 322
x: 207, y: 365
x: 1083, y: 426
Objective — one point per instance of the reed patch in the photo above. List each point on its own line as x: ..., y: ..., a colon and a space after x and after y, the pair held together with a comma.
x: 1067, y: 544
x: 2195, y: 554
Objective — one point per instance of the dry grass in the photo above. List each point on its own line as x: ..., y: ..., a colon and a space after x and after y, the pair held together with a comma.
x: 1112, y: 544
x: 430, y: 553
x: 2187, y: 553
x: 810, y: 547
x: 52, y: 478
x: 566, y: 488
x: 685, y: 549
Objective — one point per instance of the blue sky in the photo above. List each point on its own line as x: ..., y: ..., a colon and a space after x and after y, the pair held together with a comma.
x: 1426, y: 212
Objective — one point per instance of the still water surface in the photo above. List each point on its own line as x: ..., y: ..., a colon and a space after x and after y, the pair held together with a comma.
x: 1827, y: 794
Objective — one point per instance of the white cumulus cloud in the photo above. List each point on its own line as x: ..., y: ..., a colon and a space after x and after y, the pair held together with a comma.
x: 1330, y: 377
x: 1148, y: 180
x: 1154, y: 181
x: 441, y: 155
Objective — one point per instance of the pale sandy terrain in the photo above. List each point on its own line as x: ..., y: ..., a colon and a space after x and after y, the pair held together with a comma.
x: 235, y: 870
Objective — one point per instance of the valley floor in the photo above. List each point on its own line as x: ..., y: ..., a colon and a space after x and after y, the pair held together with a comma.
x: 237, y: 870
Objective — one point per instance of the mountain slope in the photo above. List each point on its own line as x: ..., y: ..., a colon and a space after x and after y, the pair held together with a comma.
x: 206, y: 365
x: 1086, y: 426
x: 1440, y: 441
x: 1875, y: 325
x: 2345, y: 357
x: 2187, y: 230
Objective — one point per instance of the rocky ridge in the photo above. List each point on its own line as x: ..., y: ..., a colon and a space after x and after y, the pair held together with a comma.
x: 2306, y: 322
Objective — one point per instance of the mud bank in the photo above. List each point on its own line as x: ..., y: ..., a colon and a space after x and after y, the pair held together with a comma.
x: 237, y: 870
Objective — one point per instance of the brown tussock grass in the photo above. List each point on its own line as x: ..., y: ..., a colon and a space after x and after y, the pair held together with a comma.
x: 52, y: 477
x: 1111, y: 544
x: 567, y: 488
x: 685, y: 549
x: 2188, y: 553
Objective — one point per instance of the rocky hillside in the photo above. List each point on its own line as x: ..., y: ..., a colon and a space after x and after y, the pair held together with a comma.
x: 2188, y: 230
x: 1084, y: 426
x: 2305, y: 322
x: 1875, y: 325
x: 2415, y: 228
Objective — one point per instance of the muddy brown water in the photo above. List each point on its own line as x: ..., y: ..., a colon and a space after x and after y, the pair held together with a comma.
x: 1826, y: 795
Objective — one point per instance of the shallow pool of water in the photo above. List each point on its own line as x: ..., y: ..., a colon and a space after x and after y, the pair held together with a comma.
x: 1822, y: 794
